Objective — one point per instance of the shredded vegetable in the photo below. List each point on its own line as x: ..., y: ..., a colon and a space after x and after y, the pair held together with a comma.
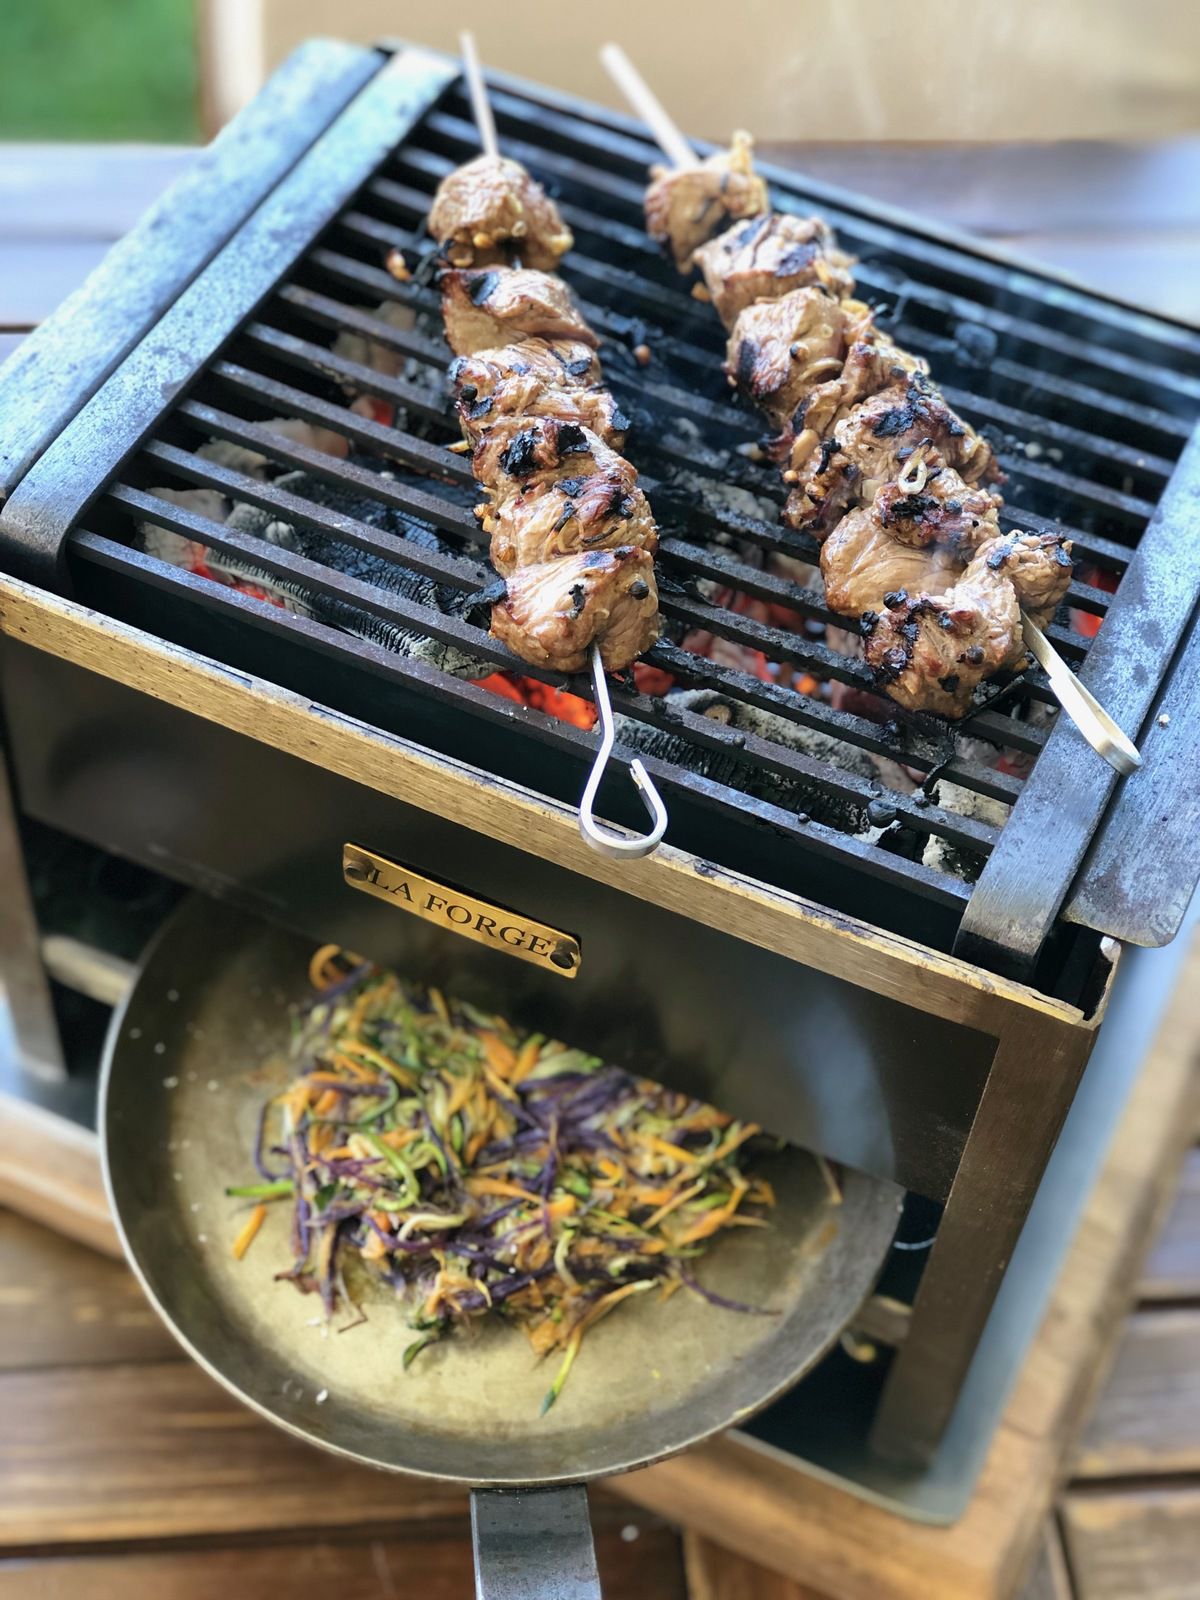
x: 479, y: 1171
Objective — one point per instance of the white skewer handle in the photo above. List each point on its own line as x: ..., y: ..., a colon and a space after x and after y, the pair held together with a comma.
x: 480, y: 104
x: 648, y: 106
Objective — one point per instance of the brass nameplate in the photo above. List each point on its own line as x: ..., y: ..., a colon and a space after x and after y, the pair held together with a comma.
x: 461, y: 913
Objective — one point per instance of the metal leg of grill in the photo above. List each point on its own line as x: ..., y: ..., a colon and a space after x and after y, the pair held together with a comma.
x: 1033, y: 1077
x: 30, y: 1032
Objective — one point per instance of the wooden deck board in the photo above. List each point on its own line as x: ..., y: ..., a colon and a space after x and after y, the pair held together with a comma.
x: 1147, y: 1419
x: 1173, y: 1268
x: 436, y: 1566
x: 64, y: 1305
x: 1134, y: 1544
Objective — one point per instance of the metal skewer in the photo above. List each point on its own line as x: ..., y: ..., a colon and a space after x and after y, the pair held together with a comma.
x: 1080, y: 704
x: 1084, y: 710
x: 620, y: 846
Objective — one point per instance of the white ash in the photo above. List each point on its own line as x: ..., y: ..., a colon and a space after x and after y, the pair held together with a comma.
x: 726, y: 499
x: 366, y: 352
x: 943, y: 856
x: 241, y: 458
x: 793, y: 794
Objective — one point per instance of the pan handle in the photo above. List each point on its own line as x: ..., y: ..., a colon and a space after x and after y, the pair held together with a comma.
x: 533, y: 1544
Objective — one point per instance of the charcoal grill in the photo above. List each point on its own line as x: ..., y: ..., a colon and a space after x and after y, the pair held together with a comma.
x: 796, y: 952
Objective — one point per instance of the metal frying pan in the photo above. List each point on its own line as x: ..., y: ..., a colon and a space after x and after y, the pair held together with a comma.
x: 184, y: 1077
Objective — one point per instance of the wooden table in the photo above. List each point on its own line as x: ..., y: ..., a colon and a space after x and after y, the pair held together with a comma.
x: 123, y: 1469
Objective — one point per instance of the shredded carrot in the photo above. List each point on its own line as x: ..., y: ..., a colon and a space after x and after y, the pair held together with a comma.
x: 712, y: 1220
x: 577, y: 1186
x: 672, y: 1205
x: 398, y: 1138
x: 501, y: 1057
x: 403, y: 1075
x: 498, y: 1186
x: 356, y: 1069
x: 673, y: 1150
x: 527, y: 1059
x: 249, y: 1231
x: 460, y: 1094
x: 319, y: 975
x: 729, y: 1145
x: 497, y: 1084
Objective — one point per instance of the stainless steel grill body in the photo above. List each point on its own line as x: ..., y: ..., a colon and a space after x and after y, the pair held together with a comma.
x: 774, y: 957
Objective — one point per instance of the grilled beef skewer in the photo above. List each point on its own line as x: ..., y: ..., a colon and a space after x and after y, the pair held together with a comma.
x: 881, y: 469
x: 571, y: 533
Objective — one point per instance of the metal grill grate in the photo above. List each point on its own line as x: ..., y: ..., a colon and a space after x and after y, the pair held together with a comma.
x: 1090, y: 404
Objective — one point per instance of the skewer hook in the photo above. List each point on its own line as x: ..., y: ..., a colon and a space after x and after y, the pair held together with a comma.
x: 620, y: 846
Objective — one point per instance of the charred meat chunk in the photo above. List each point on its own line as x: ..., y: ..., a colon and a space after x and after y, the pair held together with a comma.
x: 769, y: 256
x: 491, y: 210
x: 873, y: 362
x: 554, y: 378
x: 501, y: 304
x: 1039, y: 567
x: 686, y: 206
x: 861, y: 562
x: 555, y: 610
x: 780, y: 350
x: 875, y: 442
x: 930, y: 652
x: 556, y: 490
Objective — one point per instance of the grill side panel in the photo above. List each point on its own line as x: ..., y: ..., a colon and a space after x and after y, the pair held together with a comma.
x: 60, y: 365
x: 46, y: 504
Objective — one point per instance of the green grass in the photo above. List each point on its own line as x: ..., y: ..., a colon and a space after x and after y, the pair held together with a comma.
x: 98, y: 69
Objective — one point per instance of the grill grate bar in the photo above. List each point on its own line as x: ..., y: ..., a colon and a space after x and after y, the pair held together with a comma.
x: 965, y: 832
x: 769, y: 535
x: 1106, y: 453
x: 404, y: 447
x: 320, y: 362
x: 704, y: 347
x: 328, y: 582
x: 458, y: 520
x: 433, y: 459
x: 620, y: 137
x: 441, y: 514
x: 924, y: 745
x: 454, y: 571
x: 778, y: 644
x: 616, y: 136
x: 1109, y: 454
x: 626, y: 194
x: 373, y: 281
x: 1109, y: 501
x: 629, y: 149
